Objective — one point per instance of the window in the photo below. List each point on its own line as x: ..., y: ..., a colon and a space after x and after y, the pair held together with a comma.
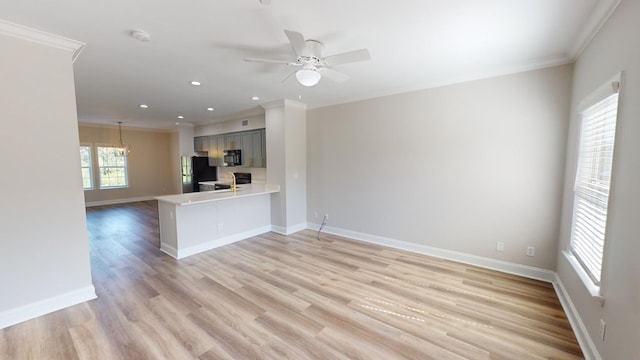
x: 112, y: 166
x: 593, y: 182
x: 87, y: 169
x: 186, y: 169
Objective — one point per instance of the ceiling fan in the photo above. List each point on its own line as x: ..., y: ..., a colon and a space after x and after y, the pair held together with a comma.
x: 313, y: 65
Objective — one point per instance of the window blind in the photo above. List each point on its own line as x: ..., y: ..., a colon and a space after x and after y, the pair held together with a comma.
x: 593, y: 180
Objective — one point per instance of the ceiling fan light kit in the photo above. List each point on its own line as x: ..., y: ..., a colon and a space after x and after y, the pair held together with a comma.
x: 308, y: 76
x: 314, y: 65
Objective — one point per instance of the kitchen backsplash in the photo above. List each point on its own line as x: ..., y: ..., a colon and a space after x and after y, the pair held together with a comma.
x: 258, y: 175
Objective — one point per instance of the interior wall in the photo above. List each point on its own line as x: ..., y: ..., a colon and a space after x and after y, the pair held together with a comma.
x: 253, y: 122
x: 614, y: 49
x: 45, y: 251
x: 296, y: 164
x: 150, y: 163
x: 458, y: 167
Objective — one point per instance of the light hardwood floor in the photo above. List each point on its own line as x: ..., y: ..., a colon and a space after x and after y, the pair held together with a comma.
x: 289, y: 297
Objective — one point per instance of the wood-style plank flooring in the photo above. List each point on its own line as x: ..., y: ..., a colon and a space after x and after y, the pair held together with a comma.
x: 289, y: 297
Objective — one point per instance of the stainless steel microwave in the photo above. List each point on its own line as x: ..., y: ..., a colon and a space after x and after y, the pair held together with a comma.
x: 232, y: 158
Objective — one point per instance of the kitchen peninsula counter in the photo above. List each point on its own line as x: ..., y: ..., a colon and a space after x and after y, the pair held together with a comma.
x: 218, y: 195
x: 196, y: 222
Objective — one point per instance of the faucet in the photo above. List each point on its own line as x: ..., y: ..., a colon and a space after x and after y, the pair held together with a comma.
x: 233, y: 181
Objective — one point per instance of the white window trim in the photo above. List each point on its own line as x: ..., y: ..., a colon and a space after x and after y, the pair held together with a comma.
x: 98, y: 186
x: 610, y: 87
x: 91, y: 168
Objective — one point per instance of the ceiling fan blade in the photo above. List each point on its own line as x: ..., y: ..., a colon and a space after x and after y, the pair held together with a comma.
x: 297, y: 42
x: 285, y: 62
x: 348, y: 57
x: 288, y: 76
x: 334, y: 75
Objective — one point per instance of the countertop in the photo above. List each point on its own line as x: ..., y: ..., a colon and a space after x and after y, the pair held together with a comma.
x: 244, y: 190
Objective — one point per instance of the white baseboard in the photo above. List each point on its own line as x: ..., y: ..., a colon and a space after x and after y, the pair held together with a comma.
x: 169, y: 250
x: 118, y: 201
x: 290, y: 229
x: 587, y: 345
x: 487, y: 263
x: 46, y: 306
x: 209, y: 245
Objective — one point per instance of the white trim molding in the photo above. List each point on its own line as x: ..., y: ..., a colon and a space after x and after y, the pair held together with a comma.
x: 584, y: 340
x: 487, y: 263
x: 41, y: 37
x: 289, y: 229
x: 587, y: 346
x: 46, y: 306
x: 209, y: 245
x: 117, y: 201
x: 600, y: 14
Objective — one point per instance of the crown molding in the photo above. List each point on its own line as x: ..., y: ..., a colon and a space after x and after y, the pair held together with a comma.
x: 41, y: 37
x: 600, y: 14
x: 283, y: 103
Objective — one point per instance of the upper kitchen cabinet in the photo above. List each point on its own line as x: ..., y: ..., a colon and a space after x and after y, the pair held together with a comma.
x: 233, y: 141
x: 253, y: 154
x: 252, y: 143
x: 201, y: 144
x: 216, y: 147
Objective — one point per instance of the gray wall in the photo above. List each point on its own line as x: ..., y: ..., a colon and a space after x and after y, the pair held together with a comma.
x: 457, y: 167
x: 616, y: 48
x: 43, y: 234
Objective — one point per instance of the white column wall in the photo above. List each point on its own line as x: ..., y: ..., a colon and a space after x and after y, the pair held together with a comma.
x: 44, y: 256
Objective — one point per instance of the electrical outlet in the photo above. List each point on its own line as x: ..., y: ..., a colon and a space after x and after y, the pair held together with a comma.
x: 603, y: 328
x: 326, y: 216
x: 531, y: 251
x: 500, y: 246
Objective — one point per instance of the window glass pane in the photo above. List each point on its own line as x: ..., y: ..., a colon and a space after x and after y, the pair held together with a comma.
x: 112, y: 164
x: 186, y: 169
x: 86, y: 167
x: 593, y: 182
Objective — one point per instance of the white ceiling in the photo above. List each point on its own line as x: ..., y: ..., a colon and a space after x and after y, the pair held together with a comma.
x: 414, y: 44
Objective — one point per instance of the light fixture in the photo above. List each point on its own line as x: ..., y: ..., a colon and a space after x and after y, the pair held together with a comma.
x: 124, y: 148
x: 209, y: 109
x: 195, y: 83
x: 308, y: 75
x: 255, y: 98
x: 180, y: 117
x: 143, y: 106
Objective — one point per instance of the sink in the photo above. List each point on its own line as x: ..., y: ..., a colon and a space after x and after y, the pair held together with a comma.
x: 223, y: 187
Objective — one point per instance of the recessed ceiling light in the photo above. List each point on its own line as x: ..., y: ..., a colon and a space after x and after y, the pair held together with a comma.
x: 196, y: 83
x: 209, y: 109
x: 143, y: 106
x: 180, y: 117
x: 255, y: 98
x: 177, y: 124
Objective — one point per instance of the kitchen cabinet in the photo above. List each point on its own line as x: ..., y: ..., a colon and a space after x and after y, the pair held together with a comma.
x: 252, y: 143
x: 201, y: 144
x: 252, y: 149
x: 216, y: 147
x: 263, y: 136
x: 232, y: 141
